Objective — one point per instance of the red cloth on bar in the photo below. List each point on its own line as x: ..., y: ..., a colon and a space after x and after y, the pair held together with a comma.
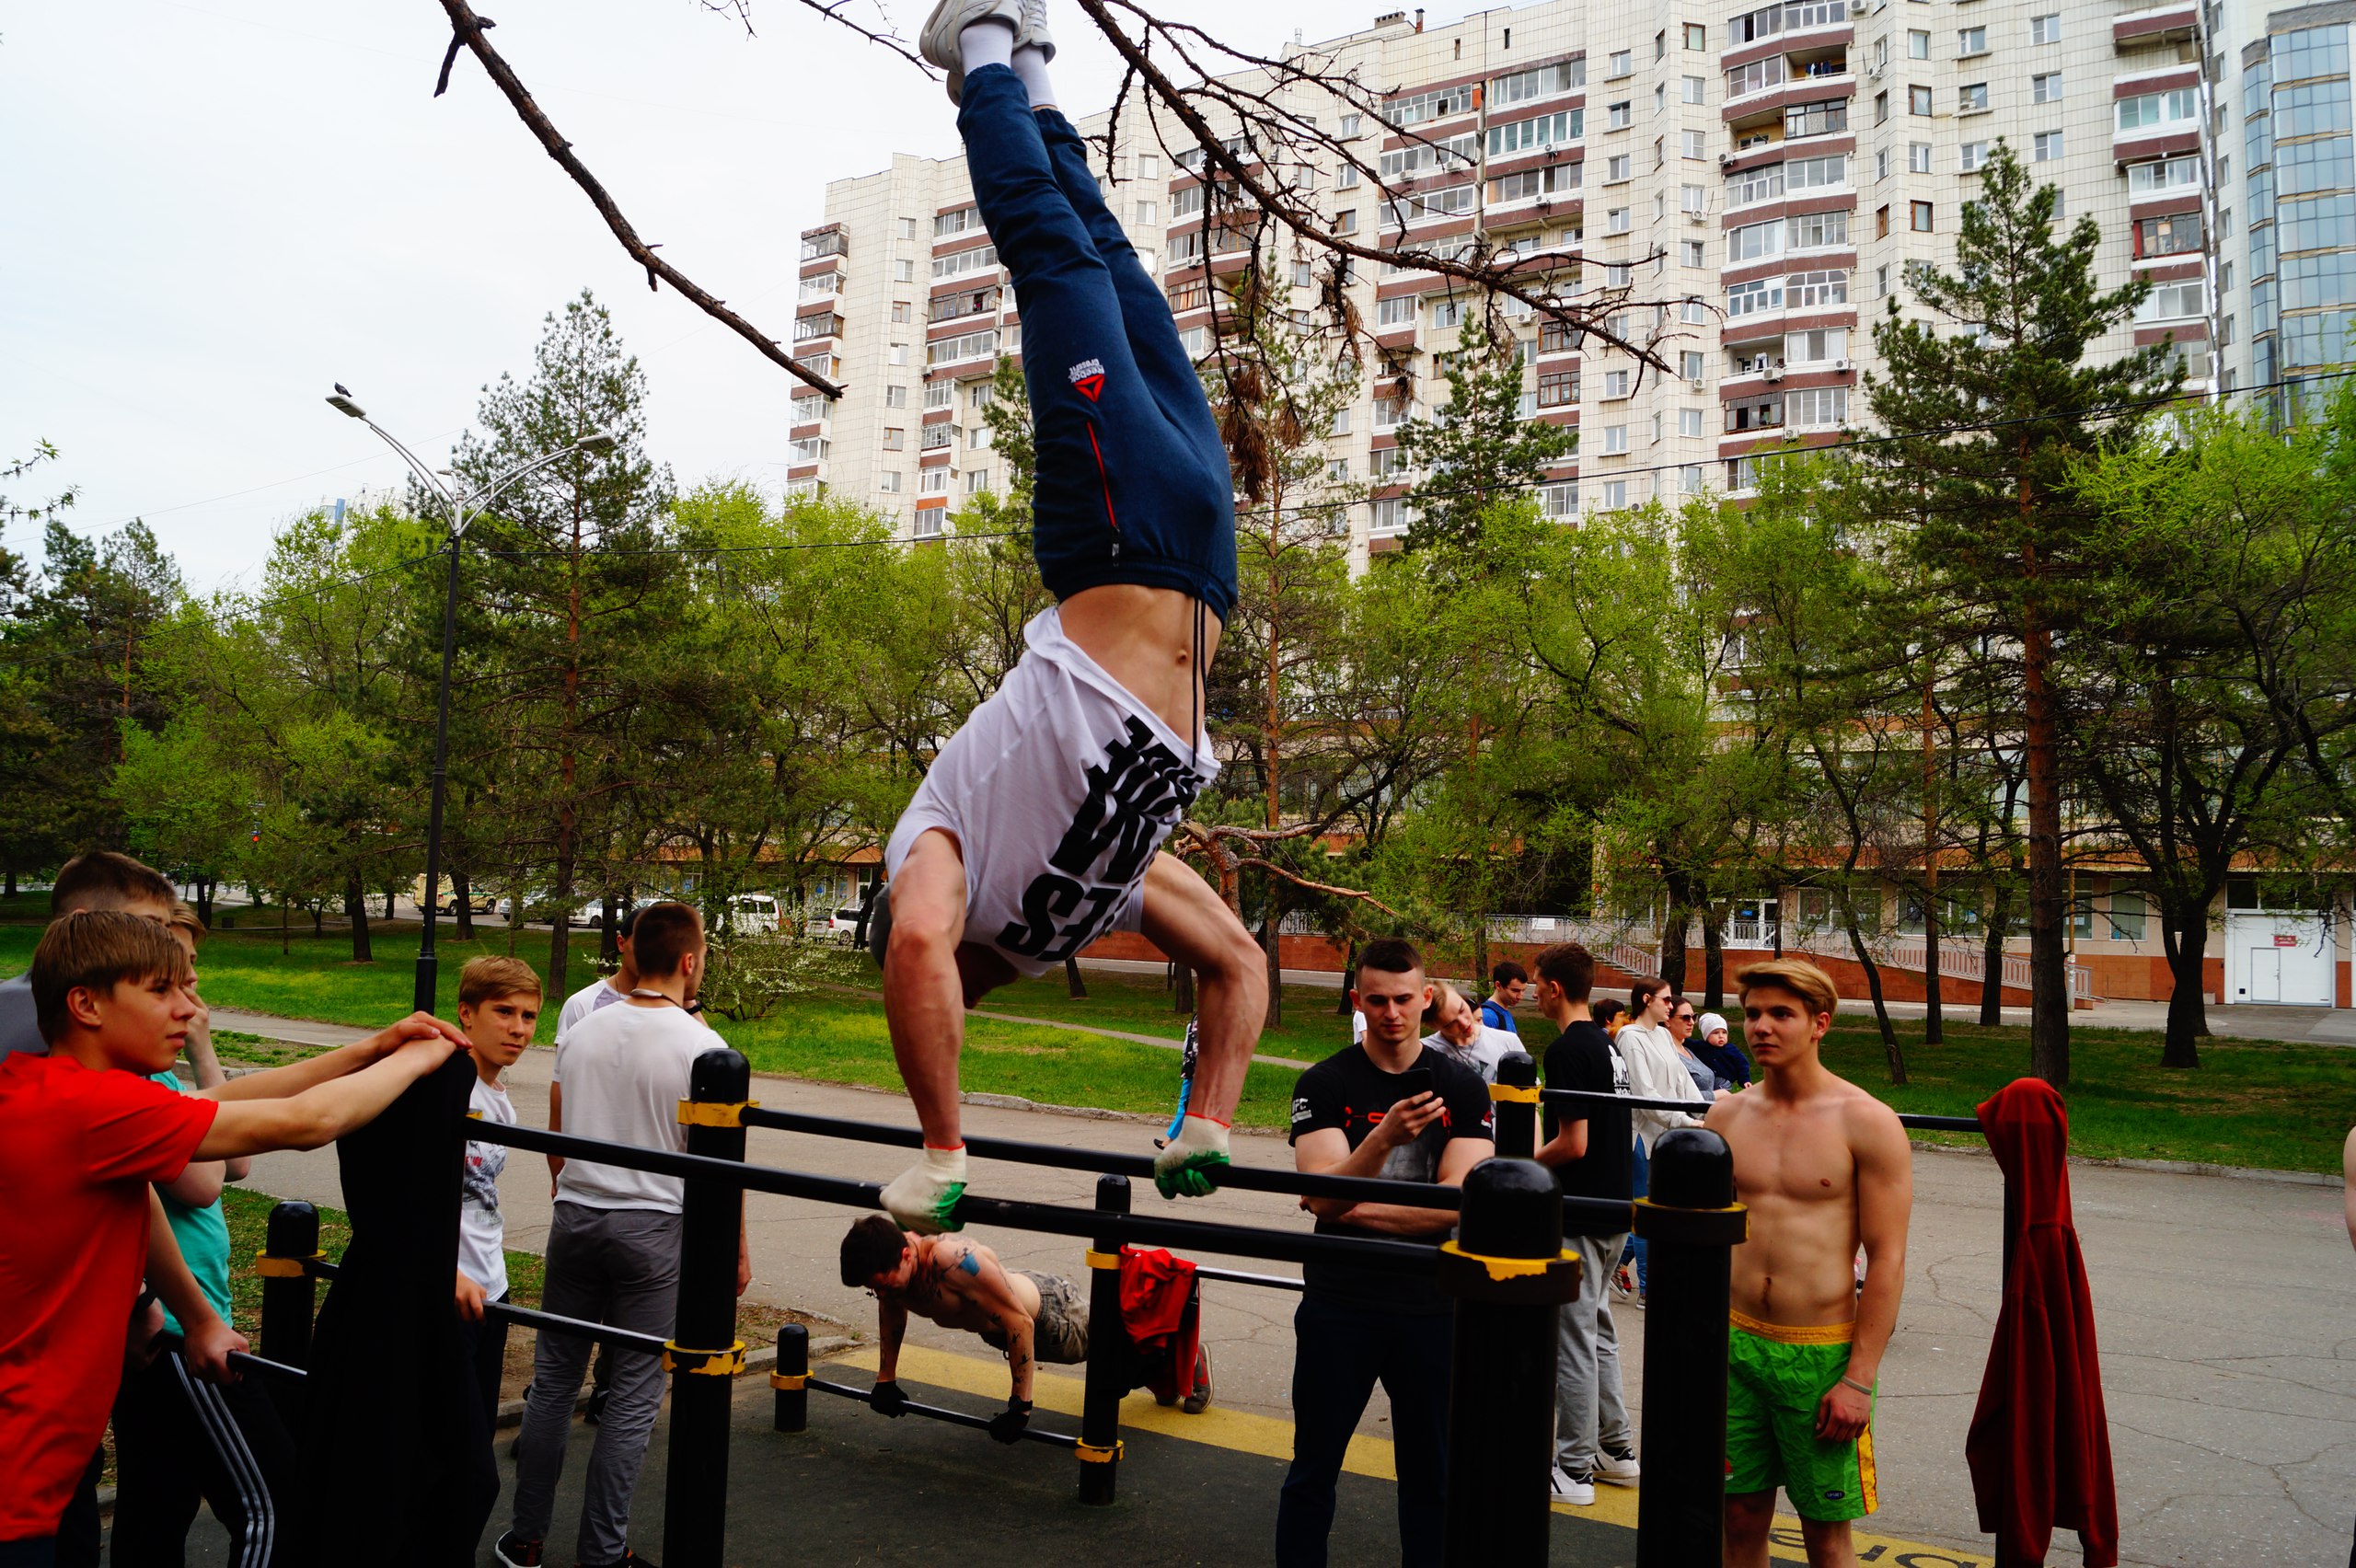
x: 2040, y: 1445
x: 1160, y: 1314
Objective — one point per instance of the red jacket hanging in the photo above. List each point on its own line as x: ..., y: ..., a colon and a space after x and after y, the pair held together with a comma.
x: 1159, y: 1312
x: 2040, y: 1445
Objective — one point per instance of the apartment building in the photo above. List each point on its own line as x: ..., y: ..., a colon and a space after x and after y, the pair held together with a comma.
x: 1744, y: 188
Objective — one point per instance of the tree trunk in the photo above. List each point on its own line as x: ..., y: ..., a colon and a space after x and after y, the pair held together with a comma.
x: 1934, y: 1024
x: 1889, y: 1045
x: 1074, y: 987
x: 609, y: 937
x: 1271, y: 927
x: 2188, y: 1009
x: 318, y: 917
x: 391, y: 894
x: 1992, y: 954
x: 1672, y: 949
x: 462, y: 894
x: 1480, y: 986
x: 206, y: 890
x: 2048, y: 979
x: 284, y: 912
x: 1342, y: 1008
x: 356, y: 897
x: 1713, y: 964
x: 10, y: 891
x: 1182, y: 994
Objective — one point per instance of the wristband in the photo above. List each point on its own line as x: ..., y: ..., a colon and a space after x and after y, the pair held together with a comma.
x: 1861, y: 1387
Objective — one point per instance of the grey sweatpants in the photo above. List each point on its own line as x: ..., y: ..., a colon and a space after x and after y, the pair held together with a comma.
x: 618, y: 1267
x: 1589, y: 1414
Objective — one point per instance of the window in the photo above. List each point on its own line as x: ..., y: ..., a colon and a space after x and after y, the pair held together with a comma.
x: 1918, y: 157
x: 2169, y: 301
x: 1524, y: 86
x: 1623, y: 63
x: 976, y: 480
x: 1881, y: 53
x: 965, y: 346
x: 1756, y: 77
x: 1398, y: 312
x: 1448, y: 313
x: 1881, y: 221
x: 964, y: 262
x: 1918, y: 46
x: 1390, y: 413
x: 1616, y: 384
x: 1425, y: 158
x: 1814, y: 231
x: 1697, y: 37
x: 1694, y: 143
x: 1972, y: 99
x: 902, y: 311
x: 1821, y: 345
x: 1753, y: 241
x: 1615, y: 494
x: 1918, y: 101
x: 962, y: 221
x: 1615, y: 441
x: 1149, y: 214
x: 810, y: 449
x: 1816, y: 119
x: 1618, y: 117
x: 1694, y: 89
x: 1661, y: 44
x: 2127, y: 914
x: 939, y: 394
x: 808, y: 327
x: 2044, y: 30
x: 896, y: 439
x: 1815, y: 291
x: 977, y: 439
x: 825, y: 283
x: 2170, y: 235
x: 1825, y: 408
x: 1971, y: 155
x: 904, y: 272
x: 888, y: 481
x: 1554, y: 338
x: 896, y: 396
x: 1881, y: 107
x: 2148, y: 111
x: 2166, y: 174
x: 2045, y: 88
x: 933, y: 481
x: 2046, y: 146
x: 1688, y: 362
x: 1440, y: 104
x: 1540, y: 131
x: 1881, y: 281
x: 1616, y: 274
x: 937, y: 437
x: 1559, y: 500
x: 1557, y: 388
x: 1920, y: 212
x: 1148, y: 165
x: 1970, y: 42
x: 1692, y: 253
x: 1760, y: 294
x: 1337, y: 470
x: 1615, y: 221
x: 1615, y: 170
x: 1349, y: 125
x: 1389, y: 517
x: 1882, y: 164
x: 1810, y: 174
x: 1347, y: 222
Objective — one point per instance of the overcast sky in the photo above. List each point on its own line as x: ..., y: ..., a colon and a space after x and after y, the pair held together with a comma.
x: 214, y: 211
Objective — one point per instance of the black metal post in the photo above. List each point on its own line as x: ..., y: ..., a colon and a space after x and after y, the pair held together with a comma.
x: 705, y: 1355
x: 1099, y: 1410
x: 790, y: 1379
x: 291, y: 1241
x: 424, y: 997
x: 1509, y: 1274
x: 1692, y: 1225
x: 1516, y: 1097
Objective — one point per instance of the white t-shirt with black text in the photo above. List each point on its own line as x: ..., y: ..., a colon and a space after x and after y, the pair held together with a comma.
x: 624, y: 1070
x: 1058, y: 791
x: 482, y: 1235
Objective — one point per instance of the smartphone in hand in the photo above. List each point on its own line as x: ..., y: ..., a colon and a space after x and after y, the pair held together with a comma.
x: 1414, y: 1081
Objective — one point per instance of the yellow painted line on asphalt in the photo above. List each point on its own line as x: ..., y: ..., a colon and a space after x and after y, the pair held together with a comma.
x: 1241, y: 1432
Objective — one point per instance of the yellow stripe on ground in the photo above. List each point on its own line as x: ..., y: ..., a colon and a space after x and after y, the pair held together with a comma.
x: 1243, y: 1432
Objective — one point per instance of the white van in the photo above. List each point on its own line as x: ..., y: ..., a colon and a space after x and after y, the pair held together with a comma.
x: 752, y: 914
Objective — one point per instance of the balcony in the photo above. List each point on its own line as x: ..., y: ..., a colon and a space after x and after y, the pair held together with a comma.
x: 830, y: 242
x: 2160, y: 24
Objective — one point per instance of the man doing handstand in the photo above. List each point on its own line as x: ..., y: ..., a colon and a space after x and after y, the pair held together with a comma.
x: 960, y: 1283
x: 1822, y: 1166
x: 1037, y: 829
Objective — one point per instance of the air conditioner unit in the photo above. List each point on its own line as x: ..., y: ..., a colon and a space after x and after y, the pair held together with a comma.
x: 1774, y: 372
x: 1696, y: 384
x: 1724, y: 158
x: 1872, y: 73
x: 1841, y: 366
x: 1697, y: 217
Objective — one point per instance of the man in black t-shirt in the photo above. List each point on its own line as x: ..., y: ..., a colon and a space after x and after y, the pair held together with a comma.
x: 1588, y: 1147
x: 1358, y: 1114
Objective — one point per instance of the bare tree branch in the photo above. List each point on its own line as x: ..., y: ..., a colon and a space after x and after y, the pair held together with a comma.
x: 832, y: 10
x: 466, y: 28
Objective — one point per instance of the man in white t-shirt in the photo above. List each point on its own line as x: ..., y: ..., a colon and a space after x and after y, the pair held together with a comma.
x: 1037, y: 829
x: 604, y: 991
x: 1459, y: 1034
x: 499, y: 1007
x: 613, y: 1251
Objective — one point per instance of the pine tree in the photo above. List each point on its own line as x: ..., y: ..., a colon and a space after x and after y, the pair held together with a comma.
x: 1996, y: 398
x: 1478, y: 449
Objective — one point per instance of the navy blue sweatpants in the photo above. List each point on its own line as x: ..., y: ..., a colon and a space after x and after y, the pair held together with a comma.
x: 1133, y: 484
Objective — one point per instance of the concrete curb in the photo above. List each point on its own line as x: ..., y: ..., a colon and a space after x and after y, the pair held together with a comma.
x: 2168, y: 1167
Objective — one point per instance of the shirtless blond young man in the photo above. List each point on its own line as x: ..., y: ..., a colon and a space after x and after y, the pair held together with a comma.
x: 960, y: 1283
x: 1823, y: 1166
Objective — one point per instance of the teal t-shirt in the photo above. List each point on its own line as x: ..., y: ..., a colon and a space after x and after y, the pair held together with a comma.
x: 203, y: 1235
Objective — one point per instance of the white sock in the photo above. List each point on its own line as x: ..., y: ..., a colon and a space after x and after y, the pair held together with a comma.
x: 1030, y: 64
x: 987, y: 42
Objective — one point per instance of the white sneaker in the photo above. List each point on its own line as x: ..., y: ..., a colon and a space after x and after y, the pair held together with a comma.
x: 938, y: 42
x: 1616, y: 1470
x: 1035, y: 28
x: 1578, y: 1491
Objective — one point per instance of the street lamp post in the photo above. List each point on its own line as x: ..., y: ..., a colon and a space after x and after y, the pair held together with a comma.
x: 464, y: 506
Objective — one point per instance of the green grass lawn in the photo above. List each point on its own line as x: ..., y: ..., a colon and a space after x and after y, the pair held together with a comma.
x: 2277, y: 1106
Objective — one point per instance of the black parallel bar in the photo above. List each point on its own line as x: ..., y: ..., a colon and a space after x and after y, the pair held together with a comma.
x: 1509, y: 1278
x: 240, y: 1360
x: 290, y: 1254
x: 1915, y: 1120
x: 790, y: 1379
x: 695, y: 1494
x: 953, y: 1417
x: 603, y: 1333
x: 1516, y: 1109
x: 1099, y: 1411
x: 1234, y: 1241
x: 1691, y: 1225
x: 1596, y: 1216
x: 1237, y: 1276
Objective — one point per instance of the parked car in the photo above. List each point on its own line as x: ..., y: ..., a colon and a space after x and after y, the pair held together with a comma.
x: 752, y: 914
x: 841, y: 925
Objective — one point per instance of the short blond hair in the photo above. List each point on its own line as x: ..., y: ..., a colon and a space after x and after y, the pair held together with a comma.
x: 186, y: 919
x: 97, y: 950
x: 493, y: 975
x: 1798, y: 976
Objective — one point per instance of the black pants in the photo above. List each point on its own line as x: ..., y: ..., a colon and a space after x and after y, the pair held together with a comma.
x: 486, y: 1344
x: 178, y: 1442
x: 1340, y: 1351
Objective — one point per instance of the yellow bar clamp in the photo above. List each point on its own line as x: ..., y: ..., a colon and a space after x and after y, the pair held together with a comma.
x: 714, y: 1113
x: 1097, y: 1260
x: 790, y: 1382
x: 269, y: 1267
x: 714, y: 1363
x: 1515, y: 1093
x: 1503, y: 1269
x: 1089, y: 1454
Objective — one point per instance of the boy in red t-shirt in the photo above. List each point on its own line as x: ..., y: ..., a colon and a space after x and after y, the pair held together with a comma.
x: 83, y: 1134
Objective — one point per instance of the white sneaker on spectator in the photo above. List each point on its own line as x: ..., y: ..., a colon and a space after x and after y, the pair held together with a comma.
x: 1578, y: 1491
x: 1616, y: 1470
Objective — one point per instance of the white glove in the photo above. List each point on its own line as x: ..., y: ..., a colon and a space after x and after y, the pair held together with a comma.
x: 1180, y: 1169
x: 921, y: 1198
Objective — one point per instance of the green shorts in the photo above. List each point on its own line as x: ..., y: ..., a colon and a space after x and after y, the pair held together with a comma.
x: 1775, y: 1376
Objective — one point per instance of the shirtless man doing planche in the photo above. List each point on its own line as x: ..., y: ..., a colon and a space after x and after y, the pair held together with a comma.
x: 1823, y: 1166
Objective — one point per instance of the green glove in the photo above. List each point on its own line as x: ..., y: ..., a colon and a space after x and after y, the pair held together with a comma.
x: 923, y: 1198
x: 1183, y: 1168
